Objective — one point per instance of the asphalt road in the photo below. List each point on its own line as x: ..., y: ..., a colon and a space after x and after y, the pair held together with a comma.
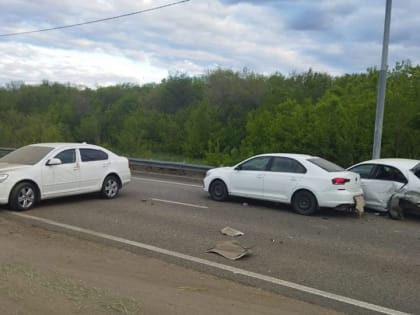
x: 372, y: 259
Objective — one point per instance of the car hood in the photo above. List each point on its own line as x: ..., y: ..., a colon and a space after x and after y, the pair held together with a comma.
x: 7, y: 167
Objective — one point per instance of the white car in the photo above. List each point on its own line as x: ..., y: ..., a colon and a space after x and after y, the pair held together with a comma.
x: 47, y: 170
x: 307, y: 182
x: 381, y: 178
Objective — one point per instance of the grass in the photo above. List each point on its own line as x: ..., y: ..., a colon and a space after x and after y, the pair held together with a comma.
x: 17, y: 280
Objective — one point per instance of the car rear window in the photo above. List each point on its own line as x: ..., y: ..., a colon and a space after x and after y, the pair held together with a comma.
x: 416, y: 170
x: 326, y: 165
x: 28, y: 155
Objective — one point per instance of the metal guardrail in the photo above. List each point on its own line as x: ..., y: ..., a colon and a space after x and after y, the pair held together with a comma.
x: 152, y: 165
x: 172, y: 166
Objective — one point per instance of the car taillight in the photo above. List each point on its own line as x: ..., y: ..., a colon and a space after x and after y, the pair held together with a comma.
x: 340, y: 180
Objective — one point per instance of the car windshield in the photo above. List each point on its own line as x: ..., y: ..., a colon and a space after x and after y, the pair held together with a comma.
x: 29, y: 155
x: 326, y: 165
x: 416, y: 170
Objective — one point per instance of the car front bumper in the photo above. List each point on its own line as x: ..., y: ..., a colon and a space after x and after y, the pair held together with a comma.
x: 4, y: 193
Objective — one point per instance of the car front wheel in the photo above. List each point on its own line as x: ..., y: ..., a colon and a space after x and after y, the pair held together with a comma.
x: 110, y: 187
x: 218, y: 190
x: 304, y: 202
x: 23, y: 196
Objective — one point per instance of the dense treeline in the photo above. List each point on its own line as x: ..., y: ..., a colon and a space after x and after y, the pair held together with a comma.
x: 223, y: 116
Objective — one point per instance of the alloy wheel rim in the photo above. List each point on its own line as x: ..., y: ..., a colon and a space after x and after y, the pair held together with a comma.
x: 26, y: 197
x: 111, y: 188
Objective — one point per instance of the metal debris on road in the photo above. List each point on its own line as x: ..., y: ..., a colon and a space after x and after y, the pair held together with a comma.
x: 230, y: 249
x: 231, y: 231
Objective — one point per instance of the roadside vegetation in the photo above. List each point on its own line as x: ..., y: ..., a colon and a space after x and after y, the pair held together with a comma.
x: 223, y: 116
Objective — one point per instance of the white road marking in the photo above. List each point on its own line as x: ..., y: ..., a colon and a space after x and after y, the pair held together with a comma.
x: 250, y: 274
x: 180, y: 203
x: 165, y: 182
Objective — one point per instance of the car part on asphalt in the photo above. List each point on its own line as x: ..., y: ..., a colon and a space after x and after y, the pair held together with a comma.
x: 231, y: 231
x: 230, y: 249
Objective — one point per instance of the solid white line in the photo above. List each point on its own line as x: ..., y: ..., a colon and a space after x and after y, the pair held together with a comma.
x: 166, y: 182
x: 250, y: 274
x: 180, y: 203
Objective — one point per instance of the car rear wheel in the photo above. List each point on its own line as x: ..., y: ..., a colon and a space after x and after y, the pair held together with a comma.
x: 218, y: 190
x: 110, y: 187
x: 23, y: 196
x: 304, y: 202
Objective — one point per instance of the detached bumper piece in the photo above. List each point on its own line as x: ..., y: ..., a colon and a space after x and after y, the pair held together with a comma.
x: 358, y: 206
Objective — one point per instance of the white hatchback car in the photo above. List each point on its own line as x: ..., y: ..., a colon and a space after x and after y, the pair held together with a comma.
x: 307, y: 182
x: 47, y: 170
x: 381, y: 178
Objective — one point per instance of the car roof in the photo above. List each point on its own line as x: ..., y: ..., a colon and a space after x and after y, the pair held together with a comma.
x: 396, y: 162
x: 290, y: 155
x: 60, y: 144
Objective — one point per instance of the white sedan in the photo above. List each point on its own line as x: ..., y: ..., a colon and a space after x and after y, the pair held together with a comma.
x: 47, y: 170
x: 307, y: 182
x: 381, y: 178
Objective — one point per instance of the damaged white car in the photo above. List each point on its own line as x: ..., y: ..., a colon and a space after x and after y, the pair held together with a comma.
x: 390, y: 185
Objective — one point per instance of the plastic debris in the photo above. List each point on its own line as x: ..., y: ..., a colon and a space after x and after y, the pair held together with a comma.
x: 231, y: 231
x: 360, y: 205
x: 230, y: 249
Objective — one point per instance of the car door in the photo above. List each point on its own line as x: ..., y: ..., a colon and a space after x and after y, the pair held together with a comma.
x: 379, y: 182
x: 281, y: 179
x: 247, y: 179
x: 385, y: 181
x: 367, y: 182
x: 61, y: 179
x: 94, y: 166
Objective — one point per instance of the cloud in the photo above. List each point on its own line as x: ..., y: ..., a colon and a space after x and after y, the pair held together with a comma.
x: 194, y: 37
x: 32, y: 64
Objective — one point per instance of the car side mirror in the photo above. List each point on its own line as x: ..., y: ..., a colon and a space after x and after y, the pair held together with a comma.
x: 238, y: 168
x: 54, y: 161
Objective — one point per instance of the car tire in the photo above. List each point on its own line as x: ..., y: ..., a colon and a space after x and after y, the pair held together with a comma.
x: 218, y: 190
x: 110, y: 187
x: 23, y: 196
x: 304, y: 202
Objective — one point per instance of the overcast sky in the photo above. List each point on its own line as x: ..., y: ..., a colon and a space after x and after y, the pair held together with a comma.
x: 333, y: 36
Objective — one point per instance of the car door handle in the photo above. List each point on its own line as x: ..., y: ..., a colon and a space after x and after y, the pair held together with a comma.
x: 292, y: 179
x: 260, y: 176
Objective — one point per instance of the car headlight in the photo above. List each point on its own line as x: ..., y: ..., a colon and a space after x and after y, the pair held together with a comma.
x: 3, y: 177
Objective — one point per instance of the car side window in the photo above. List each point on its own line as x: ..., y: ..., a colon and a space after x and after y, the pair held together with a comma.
x: 416, y: 170
x: 88, y: 155
x: 286, y: 165
x: 364, y: 170
x: 384, y: 172
x: 67, y: 156
x: 256, y: 164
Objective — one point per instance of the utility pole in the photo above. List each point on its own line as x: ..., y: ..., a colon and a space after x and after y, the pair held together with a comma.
x: 377, y: 137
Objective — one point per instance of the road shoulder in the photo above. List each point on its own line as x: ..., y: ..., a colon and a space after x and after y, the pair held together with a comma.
x: 45, y: 272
